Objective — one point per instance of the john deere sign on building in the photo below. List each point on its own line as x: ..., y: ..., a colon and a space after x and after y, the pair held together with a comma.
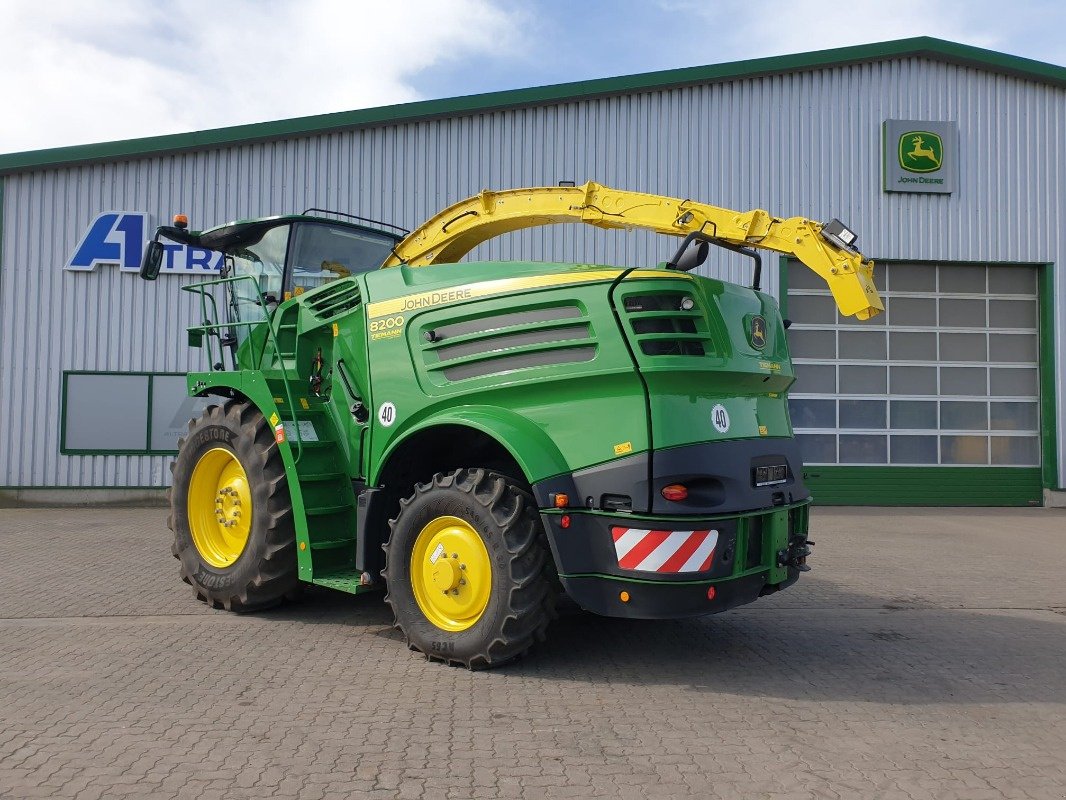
x: 920, y: 156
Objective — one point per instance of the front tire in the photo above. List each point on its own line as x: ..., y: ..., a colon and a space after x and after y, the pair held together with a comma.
x: 468, y: 571
x: 230, y: 511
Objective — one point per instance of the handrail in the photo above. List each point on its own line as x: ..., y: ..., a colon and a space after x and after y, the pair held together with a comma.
x: 208, y: 327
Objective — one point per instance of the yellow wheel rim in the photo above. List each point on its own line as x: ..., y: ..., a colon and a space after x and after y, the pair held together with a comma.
x: 220, y: 507
x: 451, y: 574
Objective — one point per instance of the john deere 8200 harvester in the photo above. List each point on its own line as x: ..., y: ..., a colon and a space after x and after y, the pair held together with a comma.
x: 480, y: 436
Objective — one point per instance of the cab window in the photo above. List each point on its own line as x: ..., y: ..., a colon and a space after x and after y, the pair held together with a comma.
x: 322, y: 253
x: 264, y: 260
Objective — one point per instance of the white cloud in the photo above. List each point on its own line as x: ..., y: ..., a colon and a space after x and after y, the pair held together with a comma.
x: 79, y: 72
x: 83, y: 72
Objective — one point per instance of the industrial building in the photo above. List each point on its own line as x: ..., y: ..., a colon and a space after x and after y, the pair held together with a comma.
x: 948, y: 160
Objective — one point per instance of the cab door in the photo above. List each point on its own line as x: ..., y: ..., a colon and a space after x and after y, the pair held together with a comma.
x: 320, y: 256
x: 262, y: 262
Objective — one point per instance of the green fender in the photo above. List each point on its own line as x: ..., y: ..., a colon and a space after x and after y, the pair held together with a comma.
x: 527, y: 443
x: 252, y: 386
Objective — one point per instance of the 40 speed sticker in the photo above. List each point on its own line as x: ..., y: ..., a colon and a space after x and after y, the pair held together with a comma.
x: 386, y: 327
x: 720, y: 418
x: 387, y: 415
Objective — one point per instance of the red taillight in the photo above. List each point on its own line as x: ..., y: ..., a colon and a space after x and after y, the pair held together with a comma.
x: 675, y: 492
x: 564, y: 521
x: 711, y: 593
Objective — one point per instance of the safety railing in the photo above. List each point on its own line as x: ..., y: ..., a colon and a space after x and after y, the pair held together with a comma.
x: 210, y: 328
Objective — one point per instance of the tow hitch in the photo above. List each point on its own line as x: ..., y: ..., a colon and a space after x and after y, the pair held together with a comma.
x: 795, y: 555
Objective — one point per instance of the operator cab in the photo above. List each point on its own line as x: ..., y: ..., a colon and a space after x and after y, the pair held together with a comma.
x: 286, y: 256
x: 289, y: 256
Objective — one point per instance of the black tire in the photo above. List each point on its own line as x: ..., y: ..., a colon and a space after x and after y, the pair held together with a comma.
x: 522, y: 599
x: 265, y: 573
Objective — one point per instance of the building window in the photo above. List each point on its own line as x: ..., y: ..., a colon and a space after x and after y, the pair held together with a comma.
x: 129, y: 413
x: 948, y: 375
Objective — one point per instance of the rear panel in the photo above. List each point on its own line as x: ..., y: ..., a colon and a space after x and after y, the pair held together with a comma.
x: 713, y: 355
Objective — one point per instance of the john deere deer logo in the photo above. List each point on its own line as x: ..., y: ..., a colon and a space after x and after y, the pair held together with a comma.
x: 920, y: 151
x: 757, y: 332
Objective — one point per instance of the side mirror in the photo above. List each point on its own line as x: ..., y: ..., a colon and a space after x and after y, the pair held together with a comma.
x: 153, y: 260
x: 692, y: 257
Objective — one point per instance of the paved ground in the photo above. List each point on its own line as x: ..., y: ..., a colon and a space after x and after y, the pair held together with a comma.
x: 924, y: 657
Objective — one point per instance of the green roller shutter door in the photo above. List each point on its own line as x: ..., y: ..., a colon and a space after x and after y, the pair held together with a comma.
x: 935, y: 402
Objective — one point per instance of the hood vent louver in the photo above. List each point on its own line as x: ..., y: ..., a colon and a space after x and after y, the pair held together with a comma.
x: 667, y: 324
x: 333, y: 300
x: 512, y: 342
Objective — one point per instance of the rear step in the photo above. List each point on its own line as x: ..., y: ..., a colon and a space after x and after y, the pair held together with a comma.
x: 333, y: 544
x: 347, y: 580
x: 321, y: 477
x: 323, y: 511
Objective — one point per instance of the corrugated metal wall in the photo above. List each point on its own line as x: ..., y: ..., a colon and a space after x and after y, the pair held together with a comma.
x: 801, y: 143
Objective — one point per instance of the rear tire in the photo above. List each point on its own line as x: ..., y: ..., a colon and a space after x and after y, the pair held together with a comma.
x: 487, y: 619
x: 228, y: 469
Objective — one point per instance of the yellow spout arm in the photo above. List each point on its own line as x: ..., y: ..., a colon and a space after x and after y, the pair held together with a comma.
x: 458, y: 229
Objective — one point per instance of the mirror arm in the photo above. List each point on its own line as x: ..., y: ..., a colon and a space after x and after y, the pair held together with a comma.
x: 673, y: 262
x: 153, y: 254
x: 179, y: 235
x: 754, y: 255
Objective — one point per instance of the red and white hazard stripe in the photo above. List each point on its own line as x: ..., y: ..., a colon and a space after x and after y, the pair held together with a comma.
x: 664, y: 551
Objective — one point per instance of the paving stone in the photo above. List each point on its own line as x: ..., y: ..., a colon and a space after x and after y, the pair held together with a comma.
x: 922, y: 658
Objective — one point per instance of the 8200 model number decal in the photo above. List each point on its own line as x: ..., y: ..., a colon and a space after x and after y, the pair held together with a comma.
x: 386, y: 327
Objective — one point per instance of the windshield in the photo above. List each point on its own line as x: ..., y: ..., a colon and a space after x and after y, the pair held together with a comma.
x: 324, y: 253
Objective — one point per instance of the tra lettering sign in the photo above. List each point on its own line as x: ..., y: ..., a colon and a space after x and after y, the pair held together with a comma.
x: 119, y: 238
x: 920, y: 156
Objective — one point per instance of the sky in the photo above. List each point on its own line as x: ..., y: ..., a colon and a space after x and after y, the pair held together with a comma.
x: 78, y: 72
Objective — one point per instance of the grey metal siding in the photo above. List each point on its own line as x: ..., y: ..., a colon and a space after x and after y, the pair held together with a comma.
x: 799, y: 143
